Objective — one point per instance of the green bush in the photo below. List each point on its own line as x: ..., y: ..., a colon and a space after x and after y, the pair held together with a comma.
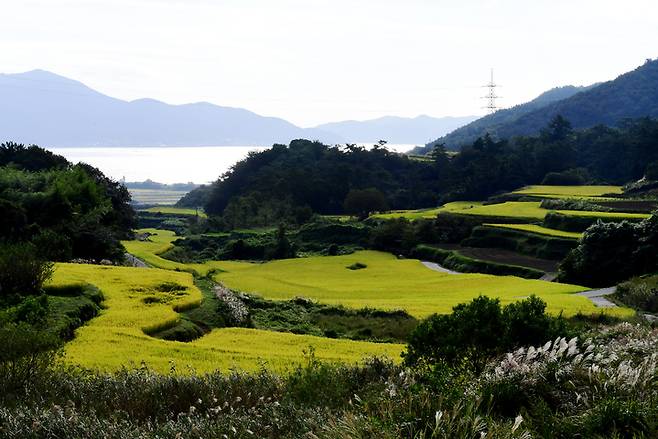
x: 26, y: 352
x: 477, y: 331
x: 570, y: 177
x: 22, y: 272
x: 634, y: 252
x: 640, y: 294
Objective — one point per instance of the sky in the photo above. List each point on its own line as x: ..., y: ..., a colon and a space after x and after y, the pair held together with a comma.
x: 316, y: 61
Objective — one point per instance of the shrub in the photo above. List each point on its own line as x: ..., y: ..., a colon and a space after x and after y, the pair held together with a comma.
x: 572, y: 204
x: 640, y: 294
x: 593, y: 263
x: 22, y: 272
x: 479, y: 330
x: 569, y: 177
x: 25, y: 352
x: 363, y: 202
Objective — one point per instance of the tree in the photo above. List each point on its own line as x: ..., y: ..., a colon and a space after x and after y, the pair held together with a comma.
x: 362, y: 202
x: 479, y: 330
x: 22, y: 272
x: 558, y: 129
x: 282, y: 248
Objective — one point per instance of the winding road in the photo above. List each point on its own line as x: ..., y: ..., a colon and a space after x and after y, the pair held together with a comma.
x: 596, y: 296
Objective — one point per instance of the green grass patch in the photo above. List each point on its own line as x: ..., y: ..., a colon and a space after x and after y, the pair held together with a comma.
x: 534, y: 228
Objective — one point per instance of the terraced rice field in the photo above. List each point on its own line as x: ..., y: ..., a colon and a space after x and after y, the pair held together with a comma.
x: 390, y: 283
x: 386, y: 283
x: 140, y: 300
x: 531, y: 211
x: 568, y: 191
x: 156, y: 196
x: 534, y: 228
x: 455, y: 206
x: 159, y: 242
x: 171, y: 210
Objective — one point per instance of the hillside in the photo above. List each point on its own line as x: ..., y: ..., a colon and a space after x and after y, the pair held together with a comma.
x: 492, y: 123
x: 418, y: 130
x: 631, y: 95
x: 44, y: 108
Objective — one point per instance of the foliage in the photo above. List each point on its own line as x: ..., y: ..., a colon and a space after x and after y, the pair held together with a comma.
x: 477, y: 331
x: 569, y: 177
x: 22, y: 272
x: 573, y: 204
x: 72, y: 211
x: 363, y: 202
x: 195, y: 198
x: 527, y: 239
x: 639, y: 293
x: 311, y: 175
x: 635, y: 253
x: 318, y: 176
x: 25, y: 352
x: 31, y: 158
x: 601, y: 386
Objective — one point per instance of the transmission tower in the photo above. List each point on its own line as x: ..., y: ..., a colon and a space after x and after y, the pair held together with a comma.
x: 491, y: 96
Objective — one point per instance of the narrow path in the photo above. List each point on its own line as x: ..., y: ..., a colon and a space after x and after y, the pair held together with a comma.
x: 598, y: 296
x: 436, y: 267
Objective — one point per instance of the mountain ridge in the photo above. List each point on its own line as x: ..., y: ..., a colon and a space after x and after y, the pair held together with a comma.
x: 633, y: 94
x: 41, y: 107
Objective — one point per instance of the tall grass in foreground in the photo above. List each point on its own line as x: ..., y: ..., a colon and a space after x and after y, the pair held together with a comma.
x: 604, y: 384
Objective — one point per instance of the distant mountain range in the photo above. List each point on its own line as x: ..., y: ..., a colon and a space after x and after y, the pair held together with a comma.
x: 631, y: 95
x: 417, y: 130
x: 47, y: 109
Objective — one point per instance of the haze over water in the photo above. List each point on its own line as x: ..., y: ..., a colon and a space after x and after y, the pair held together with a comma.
x: 197, y: 164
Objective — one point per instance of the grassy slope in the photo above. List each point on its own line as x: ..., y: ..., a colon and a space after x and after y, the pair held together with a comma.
x: 389, y: 283
x: 533, y: 228
x: 117, y: 337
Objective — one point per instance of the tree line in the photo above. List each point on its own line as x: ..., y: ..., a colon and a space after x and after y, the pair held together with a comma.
x: 280, y: 181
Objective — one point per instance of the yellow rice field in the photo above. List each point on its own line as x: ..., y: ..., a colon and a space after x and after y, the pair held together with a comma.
x: 117, y: 337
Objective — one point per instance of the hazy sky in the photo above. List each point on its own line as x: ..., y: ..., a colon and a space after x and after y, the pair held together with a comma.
x: 319, y: 61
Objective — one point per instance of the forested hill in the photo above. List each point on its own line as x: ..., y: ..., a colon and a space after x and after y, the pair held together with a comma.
x: 491, y: 123
x: 288, y: 181
x: 631, y: 95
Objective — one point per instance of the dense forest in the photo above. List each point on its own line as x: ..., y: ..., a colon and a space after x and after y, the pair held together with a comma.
x: 288, y: 181
x: 631, y: 95
x: 65, y: 210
